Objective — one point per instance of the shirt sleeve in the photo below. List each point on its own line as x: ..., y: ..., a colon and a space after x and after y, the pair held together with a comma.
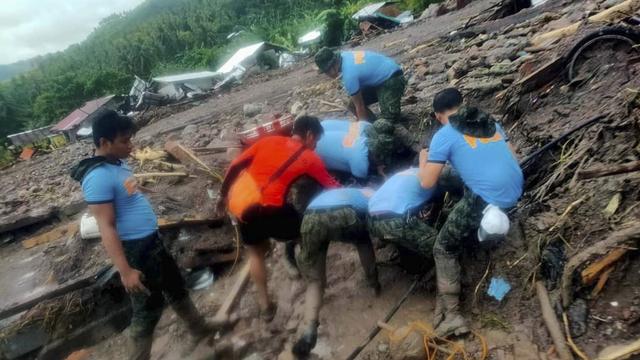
x: 319, y: 172
x: 97, y: 187
x: 246, y: 155
x: 439, y: 149
x: 502, y: 133
x: 350, y: 83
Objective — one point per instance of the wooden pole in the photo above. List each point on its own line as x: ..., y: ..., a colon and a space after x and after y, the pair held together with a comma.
x: 551, y: 321
x: 609, y: 170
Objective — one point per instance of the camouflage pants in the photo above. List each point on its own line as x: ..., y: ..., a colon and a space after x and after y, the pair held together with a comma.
x: 161, y: 276
x: 321, y: 227
x: 463, y: 220
x: 390, y: 96
x: 410, y: 233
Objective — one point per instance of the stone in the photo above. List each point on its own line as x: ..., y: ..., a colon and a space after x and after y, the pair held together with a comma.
x: 383, y: 348
x: 409, y: 348
x: 609, y: 3
x: 489, y: 44
x: 297, y: 108
x: 437, y: 68
x: 189, y: 130
x: 251, y: 110
x: 254, y: 356
x: 421, y: 71
x: 485, y: 86
x: 498, y: 54
x: 431, y: 12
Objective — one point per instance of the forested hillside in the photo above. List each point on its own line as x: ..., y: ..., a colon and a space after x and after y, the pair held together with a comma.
x: 157, y: 37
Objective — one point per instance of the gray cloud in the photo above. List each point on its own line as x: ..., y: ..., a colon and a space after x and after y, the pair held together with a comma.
x: 36, y: 27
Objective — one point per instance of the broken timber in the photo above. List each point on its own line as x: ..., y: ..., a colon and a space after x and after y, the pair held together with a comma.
x: 52, y: 235
x: 160, y: 174
x: 186, y: 156
x: 593, y: 271
x: 234, y: 294
x: 614, y: 240
x: 619, y: 352
x: 164, y: 223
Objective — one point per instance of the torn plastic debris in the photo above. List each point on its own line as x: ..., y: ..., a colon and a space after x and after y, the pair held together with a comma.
x: 310, y: 38
x: 498, y: 288
x: 385, y: 15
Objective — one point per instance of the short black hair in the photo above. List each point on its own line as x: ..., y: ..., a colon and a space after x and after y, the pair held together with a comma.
x: 447, y: 99
x: 306, y: 123
x: 108, y: 124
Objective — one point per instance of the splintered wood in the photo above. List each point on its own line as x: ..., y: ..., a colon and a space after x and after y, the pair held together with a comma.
x: 52, y: 235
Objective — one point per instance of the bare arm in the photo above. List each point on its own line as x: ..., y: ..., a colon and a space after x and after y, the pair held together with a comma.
x: 513, y: 150
x: 106, y: 218
x: 429, y: 172
x: 361, y: 108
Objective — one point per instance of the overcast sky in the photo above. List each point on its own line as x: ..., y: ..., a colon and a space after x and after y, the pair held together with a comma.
x: 37, y: 27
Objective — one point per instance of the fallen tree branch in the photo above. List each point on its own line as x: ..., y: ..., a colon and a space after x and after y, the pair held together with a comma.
x: 619, y: 352
x: 617, y: 239
x: 572, y: 344
x: 160, y: 174
x: 596, y: 172
x: 551, y: 321
x: 235, y: 292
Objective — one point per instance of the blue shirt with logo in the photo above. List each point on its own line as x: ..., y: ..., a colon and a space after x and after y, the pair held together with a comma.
x: 357, y: 198
x: 361, y: 69
x: 115, y: 184
x: 343, y: 146
x: 400, y: 194
x: 486, y: 165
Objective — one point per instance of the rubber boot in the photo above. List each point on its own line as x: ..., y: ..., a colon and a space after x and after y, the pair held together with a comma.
x: 439, y: 312
x: 368, y: 261
x: 307, y: 341
x: 139, y: 348
x: 448, y: 279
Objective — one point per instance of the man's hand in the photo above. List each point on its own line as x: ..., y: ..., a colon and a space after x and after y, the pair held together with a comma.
x: 132, y: 281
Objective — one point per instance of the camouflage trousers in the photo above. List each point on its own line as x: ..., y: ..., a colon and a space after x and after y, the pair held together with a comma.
x: 390, y: 96
x: 319, y: 228
x: 161, y: 276
x: 462, y: 221
x: 408, y: 232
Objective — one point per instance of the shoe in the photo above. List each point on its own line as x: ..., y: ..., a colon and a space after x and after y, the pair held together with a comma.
x: 453, y: 324
x: 438, y: 315
x: 139, y: 348
x: 306, y: 342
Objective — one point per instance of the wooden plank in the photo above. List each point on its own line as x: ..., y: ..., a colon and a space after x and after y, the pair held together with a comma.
x: 619, y: 352
x: 592, y: 272
x: 165, y: 223
x: 602, y: 281
x: 52, y: 235
x: 184, y: 155
x: 236, y: 291
x: 544, y: 75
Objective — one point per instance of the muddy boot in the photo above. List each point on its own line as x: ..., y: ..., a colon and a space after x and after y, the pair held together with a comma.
x: 290, y: 260
x: 307, y: 341
x: 368, y: 261
x: 139, y: 348
x: 448, y: 280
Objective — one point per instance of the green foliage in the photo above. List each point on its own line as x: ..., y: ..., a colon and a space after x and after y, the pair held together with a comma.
x: 418, y: 6
x: 160, y: 37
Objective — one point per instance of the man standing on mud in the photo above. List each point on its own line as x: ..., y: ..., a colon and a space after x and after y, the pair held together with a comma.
x: 129, y: 230
x: 334, y: 215
x: 478, y: 149
x: 368, y: 78
x: 256, y: 186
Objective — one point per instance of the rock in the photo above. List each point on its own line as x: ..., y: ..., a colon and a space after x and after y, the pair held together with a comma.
x: 437, y: 68
x: 251, y: 110
x: 498, y: 54
x: 489, y: 44
x: 409, y: 348
x: 189, y: 131
x: 297, y: 108
x: 421, y: 71
x: 484, y: 86
x: 432, y: 11
x: 383, y: 348
x: 609, y: 3
x: 254, y: 356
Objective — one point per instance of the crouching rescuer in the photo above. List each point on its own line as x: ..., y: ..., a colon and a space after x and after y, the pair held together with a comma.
x: 478, y: 149
x: 256, y: 186
x: 334, y: 215
x: 129, y: 231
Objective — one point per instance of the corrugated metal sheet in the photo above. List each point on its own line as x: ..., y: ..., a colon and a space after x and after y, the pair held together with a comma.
x: 240, y: 57
x: 79, y: 115
x: 182, y: 78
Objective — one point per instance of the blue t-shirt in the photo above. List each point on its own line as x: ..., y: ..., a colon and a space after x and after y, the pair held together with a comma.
x: 110, y: 183
x: 400, y: 194
x: 357, y: 198
x: 361, y: 69
x: 486, y: 165
x: 343, y: 146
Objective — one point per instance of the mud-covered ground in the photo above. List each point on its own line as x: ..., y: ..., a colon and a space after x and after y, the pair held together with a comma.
x: 558, y: 209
